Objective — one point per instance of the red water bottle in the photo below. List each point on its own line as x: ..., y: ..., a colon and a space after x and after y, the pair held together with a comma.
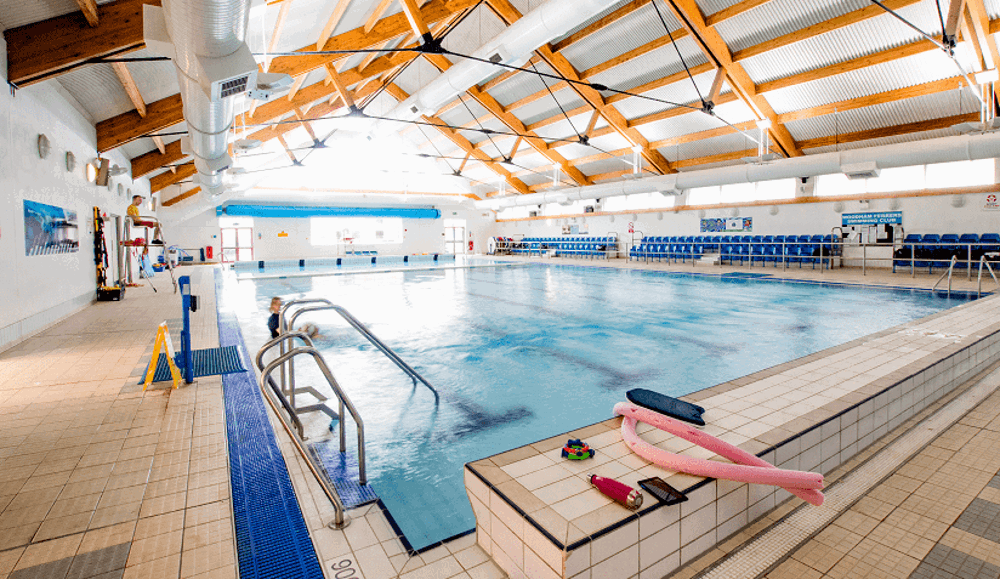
x: 620, y: 492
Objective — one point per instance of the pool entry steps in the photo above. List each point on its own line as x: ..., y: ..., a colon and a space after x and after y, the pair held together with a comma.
x: 332, y: 468
x: 538, y: 517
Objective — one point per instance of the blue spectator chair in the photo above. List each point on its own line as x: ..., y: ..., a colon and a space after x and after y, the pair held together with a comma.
x: 756, y: 249
x: 968, y: 250
x: 770, y: 252
x: 910, y: 250
x: 726, y: 248
x: 988, y: 243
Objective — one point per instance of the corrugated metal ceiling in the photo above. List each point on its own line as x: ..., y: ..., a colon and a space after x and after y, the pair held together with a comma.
x: 475, y: 30
x: 97, y: 88
x: 910, y: 138
x: 779, y: 17
x: 931, y: 106
x: 905, y: 72
x: 855, y: 41
x: 628, y: 33
x: 14, y: 13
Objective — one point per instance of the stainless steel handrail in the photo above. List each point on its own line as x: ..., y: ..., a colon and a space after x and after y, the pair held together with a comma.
x: 341, y: 396
x: 340, y: 520
x: 368, y: 335
x: 951, y: 267
x: 982, y: 262
x: 274, y: 386
x: 288, y: 385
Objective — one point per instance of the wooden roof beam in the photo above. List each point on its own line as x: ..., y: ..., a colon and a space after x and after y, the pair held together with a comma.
x: 416, y: 20
x: 149, y: 162
x: 463, y: 143
x: 128, y: 83
x: 332, y: 22
x: 46, y: 49
x: 185, y: 195
x: 375, y: 16
x: 164, y: 180
x: 89, y: 9
x: 980, y: 33
x: 894, y: 131
x: 279, y: 26
x: 388, y: 28
x: 489, y: 103
x: 711, y: 42
x: 158, y: 141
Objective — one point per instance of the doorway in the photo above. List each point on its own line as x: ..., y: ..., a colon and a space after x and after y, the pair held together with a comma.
x: 454, y: 237
x: 237, y: 244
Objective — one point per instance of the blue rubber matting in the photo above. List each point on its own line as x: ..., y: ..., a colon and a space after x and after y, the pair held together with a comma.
x: 208, y: 362
x: 272, y: 540
x: 342, y: 469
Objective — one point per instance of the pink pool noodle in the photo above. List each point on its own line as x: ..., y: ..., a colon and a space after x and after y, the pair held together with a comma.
x: 749, y: 468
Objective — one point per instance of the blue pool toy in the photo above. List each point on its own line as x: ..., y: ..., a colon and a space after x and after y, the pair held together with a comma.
x: 667, y: 405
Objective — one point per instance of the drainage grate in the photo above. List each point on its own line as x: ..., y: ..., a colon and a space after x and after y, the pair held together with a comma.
x: 272, y: 540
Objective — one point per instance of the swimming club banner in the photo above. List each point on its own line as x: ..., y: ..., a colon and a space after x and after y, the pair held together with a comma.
x: 49, y: 230
x: 727, y: 225
x: 872, y: 218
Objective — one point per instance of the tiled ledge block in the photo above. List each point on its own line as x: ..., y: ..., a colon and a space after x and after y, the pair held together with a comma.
x: 512, y: 524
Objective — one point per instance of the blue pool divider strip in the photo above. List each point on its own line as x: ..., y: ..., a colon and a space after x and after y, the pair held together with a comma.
x: 272, y: 539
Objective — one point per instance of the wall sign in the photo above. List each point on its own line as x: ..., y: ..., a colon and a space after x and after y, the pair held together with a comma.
x: 872, y: 218
x: 727, y: 225
x: 49, y: 230
x: 991, y: 203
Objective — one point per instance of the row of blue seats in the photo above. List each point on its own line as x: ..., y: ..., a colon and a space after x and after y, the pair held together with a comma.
x: 933, y: 250
x: 566, y: 247
x: 757, y: 248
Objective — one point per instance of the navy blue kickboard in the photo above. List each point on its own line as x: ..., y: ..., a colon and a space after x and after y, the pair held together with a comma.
x: 666, y: 405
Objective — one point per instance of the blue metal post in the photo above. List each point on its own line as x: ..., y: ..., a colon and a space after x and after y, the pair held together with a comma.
x: 187, y: 356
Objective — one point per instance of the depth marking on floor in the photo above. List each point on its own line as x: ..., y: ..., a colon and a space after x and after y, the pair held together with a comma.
x: 785, y: 536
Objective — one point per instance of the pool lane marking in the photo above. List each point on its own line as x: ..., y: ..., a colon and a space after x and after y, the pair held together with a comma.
x: 389, y: 270
x: 783, y: 538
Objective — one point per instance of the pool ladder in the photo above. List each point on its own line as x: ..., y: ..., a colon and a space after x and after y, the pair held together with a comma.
x: 951, y: 269
x: 297, y: 434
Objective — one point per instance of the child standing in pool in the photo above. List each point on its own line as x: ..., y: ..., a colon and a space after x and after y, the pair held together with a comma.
x: 272, y: 322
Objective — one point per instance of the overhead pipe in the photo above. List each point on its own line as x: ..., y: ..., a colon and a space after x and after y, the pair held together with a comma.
x: 206, y: 40
x: 942, y: 150
x: 512, y: 47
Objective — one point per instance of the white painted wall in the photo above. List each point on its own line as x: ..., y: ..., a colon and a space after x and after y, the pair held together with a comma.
x: 41, y: 290
x: 420, y: 236
x: 920, y: 215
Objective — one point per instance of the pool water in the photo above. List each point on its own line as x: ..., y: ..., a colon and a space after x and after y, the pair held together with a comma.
x: 520, y: 354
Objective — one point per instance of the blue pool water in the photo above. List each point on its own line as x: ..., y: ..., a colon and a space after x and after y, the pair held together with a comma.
x: 520, y: 354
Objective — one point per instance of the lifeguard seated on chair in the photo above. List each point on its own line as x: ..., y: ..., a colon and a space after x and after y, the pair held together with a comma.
x: 133, y: 213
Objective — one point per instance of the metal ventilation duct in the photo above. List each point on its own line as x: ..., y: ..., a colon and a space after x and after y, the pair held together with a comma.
x: 205, y: 38
x: 943, y: 150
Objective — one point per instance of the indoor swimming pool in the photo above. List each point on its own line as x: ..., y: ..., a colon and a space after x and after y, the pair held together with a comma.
x: 520, y: 354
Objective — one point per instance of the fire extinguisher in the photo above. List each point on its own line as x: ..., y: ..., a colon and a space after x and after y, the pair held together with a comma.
x: 470, y: 245
x: 208, y: 252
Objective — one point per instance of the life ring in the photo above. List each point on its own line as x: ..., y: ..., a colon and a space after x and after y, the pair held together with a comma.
x: 577, y: 449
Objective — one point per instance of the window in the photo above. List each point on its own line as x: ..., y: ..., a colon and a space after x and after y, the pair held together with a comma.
x: 961, y: 174
x: 838, y: 184
x: 355, y: 230
x: 704, y: 195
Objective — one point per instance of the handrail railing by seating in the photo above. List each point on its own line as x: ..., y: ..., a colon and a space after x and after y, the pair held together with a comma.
x: 951, y: 268
x: 319, y: 472
x: 983, y: 261
x: 368, y: 335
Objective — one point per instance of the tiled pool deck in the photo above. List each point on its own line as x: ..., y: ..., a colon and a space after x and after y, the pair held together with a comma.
x: 538, y: 516
x: 98, y: 479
